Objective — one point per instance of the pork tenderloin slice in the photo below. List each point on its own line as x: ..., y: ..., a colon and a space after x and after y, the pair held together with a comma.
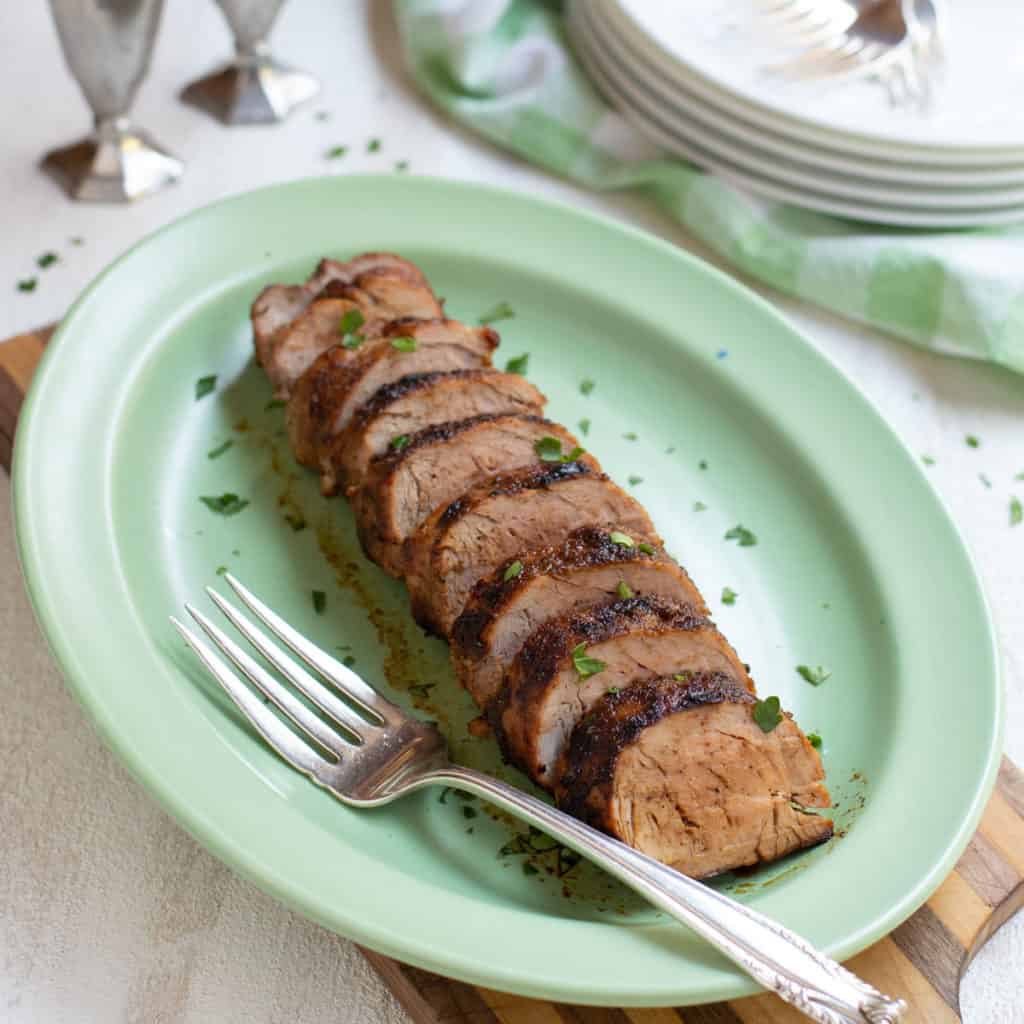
x: 506, y: 518
x: 390, y: 294
x: 401, y: 409
x: 522, y: 595
x: 440, y: 463
x: 544, y: 695
x: 340, y: 380
x: 683, y: 773
x: 279, y: 304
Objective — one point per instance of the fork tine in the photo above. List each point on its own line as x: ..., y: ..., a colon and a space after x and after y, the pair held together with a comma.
x: 347, y: 682
x: 300, y: 679
x: 288, y: 744
x: 315, y: 728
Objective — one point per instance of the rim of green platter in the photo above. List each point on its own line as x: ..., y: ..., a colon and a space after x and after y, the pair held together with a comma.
x: 104, y: 489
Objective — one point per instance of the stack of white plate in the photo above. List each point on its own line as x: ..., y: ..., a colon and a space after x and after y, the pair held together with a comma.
x: 686, y: 76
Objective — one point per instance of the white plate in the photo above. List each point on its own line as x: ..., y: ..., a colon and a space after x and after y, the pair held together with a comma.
x: 978, y: 119
x: 665, y: 136
x: 736, y: 128
x: 649, y: 91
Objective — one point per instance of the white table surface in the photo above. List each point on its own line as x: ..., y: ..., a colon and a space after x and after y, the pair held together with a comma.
x: 108, y: 911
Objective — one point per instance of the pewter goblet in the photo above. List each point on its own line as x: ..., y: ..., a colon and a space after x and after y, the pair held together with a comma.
x: 107, y: 45
x: 254, y: 88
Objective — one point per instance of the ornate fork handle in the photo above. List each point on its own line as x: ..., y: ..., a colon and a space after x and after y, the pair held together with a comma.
x: 779, y: 960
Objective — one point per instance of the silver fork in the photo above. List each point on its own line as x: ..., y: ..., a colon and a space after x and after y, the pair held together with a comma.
x: 367, y: 751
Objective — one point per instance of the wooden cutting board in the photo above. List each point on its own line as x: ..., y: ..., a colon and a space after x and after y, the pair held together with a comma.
x: 922, y: 960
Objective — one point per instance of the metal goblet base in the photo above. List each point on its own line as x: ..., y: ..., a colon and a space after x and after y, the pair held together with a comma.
x: 117, y: 164
x: 252, y: 90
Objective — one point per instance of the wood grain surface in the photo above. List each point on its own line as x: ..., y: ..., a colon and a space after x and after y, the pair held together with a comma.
x: 923, y: 960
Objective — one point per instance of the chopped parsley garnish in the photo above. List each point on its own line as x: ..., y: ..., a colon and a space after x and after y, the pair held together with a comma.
x: 402, y: 166
x: 729, y: 595
x: 928, y: 460
x: 699, y: 506
x: 622, y: 539
x: 514, y: 570
x: 740, y: 533
x: 404, y: 344
x: 216, y: 453
x: 226, y: 504
x: 47, y: 259
x: 767, y: 713
x: 624, y: 591
x: 469, y: 812
x: 647, y: 549
x: 985, y: 480
x: 275, y: 403
x: 502, y: 311
x: 518, y: 364
x: 322, y: 115
x: 549, y: 449
x: 972, y: 442
x: 586, y: 386
x: 1016, y: 512
x: 612, y: 690
x: 683, y: 677
x: 703, y: 464
x: 373, y: 146
x: 814, y: 739
x: 319, y: 601
x: 630, y: 436
x: 815, y: 676
x: 421, y: 690
x: 400, y: 442
x: 77, y: 240
x: 221, y: 569
x: 348, y: 661
x: 28, y: 284
x: 1019, y: 476
x: 352, y: 341
x: 336, y: 152
x: 584, y: 426
x: 205, y: 385
x: 528, y: 868
x: 584, y: 665
x: 295, y: 521
x: 351, y: 321
x: 634, y: 480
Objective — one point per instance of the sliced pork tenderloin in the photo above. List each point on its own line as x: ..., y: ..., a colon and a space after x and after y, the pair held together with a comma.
x: 568, y: 665
x: 508, y: 517
x: 682, y: 772
x: 403, y: 487
x: 520, y: 596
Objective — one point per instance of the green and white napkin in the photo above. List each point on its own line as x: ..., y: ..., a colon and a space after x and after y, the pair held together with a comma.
x: 504, y: 68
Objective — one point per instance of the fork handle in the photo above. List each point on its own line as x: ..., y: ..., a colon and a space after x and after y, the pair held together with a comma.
x: 774, y: 956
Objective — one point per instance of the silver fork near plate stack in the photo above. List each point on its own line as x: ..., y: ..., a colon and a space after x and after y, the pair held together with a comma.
x: 346, y: 737
x: 887, y: 111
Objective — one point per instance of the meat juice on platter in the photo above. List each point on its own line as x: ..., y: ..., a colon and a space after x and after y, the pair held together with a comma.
x: 588, y: 650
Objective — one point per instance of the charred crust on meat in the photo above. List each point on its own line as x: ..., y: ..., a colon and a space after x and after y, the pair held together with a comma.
x: 616, y: 721
x: 384, y: 396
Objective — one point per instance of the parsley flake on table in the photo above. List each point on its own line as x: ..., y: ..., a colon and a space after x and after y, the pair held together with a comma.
x: 216, y: 453
x: 767, y: 713
x: 815, y: 676
x: 400, y: 442
x: 319, y: 601
x: 622, y: 539
x: 28, y: 284
x: 226, y: 504
x: 205, y: 385
x: 404, y: 344
x: 586, y: 386
x: 729, y: 595
x: 985, y: 480
x: 514, y: 570
x: 76, y: 240
x: 699, y: 506
x: 814, y: 739
x: 373, y: 146
x: 745, y: 537
x: 502, y: 311
x: 584, y: 426
x: 549, y: 449
x: 336, y: 152
x: 401, y: 166
x: 928, y: 460
x: 518, y: 364
x: 46, y: 259
x: 1019, y: 476
x: 624, y: 591
x: 972, y: 442
x: 322, y: 115
x: 586, y: 666
x: 1016, y: 512
x: 634, y: 480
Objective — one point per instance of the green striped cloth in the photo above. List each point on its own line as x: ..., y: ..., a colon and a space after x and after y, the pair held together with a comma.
x: 503, y: 67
